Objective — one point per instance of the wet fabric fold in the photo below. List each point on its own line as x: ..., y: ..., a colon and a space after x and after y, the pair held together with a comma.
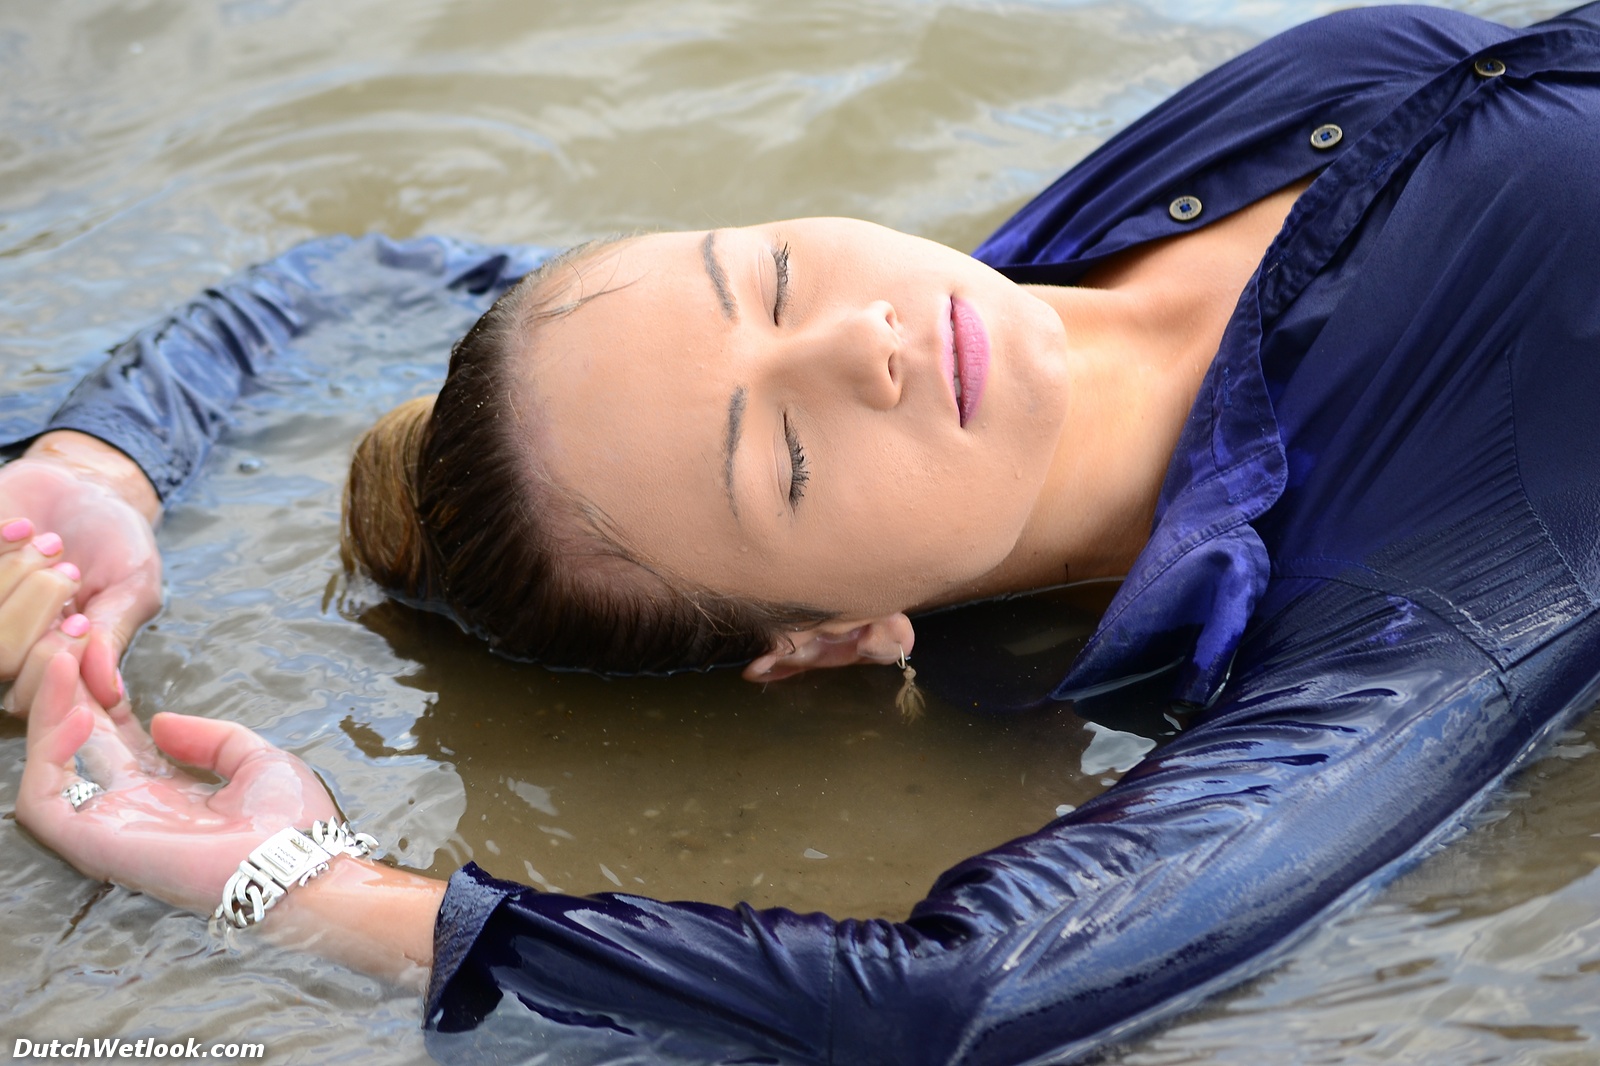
x: 164, y: 395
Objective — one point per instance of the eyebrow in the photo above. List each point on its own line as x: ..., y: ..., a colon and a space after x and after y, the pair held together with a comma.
x: 731, y: 444
x: 719, y: 278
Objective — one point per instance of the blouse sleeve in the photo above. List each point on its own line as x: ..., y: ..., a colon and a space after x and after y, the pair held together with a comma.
x: 164, y: 395
x: 1358, y: 727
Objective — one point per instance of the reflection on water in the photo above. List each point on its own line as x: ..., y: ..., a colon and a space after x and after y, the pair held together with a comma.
x: 148, y: 148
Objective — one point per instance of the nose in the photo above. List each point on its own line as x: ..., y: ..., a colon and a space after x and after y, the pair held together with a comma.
x: 860, y: 349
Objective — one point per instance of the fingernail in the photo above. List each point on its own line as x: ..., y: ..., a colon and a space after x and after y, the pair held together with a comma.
x: 76, y: 626
x: 48, y: 544
x: 122, y: 689
x: 17, y: 529
x: 68, y: 571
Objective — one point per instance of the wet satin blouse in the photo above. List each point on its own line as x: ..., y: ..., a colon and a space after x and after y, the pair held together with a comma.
x: 1375, y: 566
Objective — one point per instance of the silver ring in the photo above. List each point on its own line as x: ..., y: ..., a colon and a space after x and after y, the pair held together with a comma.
x: 80, y: 792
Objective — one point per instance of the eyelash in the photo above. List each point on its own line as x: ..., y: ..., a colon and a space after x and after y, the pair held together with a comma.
x: 799, y: 471
x: 780, y: 256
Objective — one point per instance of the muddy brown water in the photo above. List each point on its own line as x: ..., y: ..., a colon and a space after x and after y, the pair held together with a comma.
x: 149, y: 148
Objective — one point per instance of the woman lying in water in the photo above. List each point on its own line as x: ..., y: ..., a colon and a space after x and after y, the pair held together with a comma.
x: 1307, y: 353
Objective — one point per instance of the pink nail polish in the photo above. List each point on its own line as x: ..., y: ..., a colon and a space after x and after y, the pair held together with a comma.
x: 68, y: 571
x: 17, y: 529
x: 76, y: 626
x: 48, y: 544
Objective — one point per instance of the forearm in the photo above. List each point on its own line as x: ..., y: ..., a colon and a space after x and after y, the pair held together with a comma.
x: 97, y: 461
x: 363, y: 915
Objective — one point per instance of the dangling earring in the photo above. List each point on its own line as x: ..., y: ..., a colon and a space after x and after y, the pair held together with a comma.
x: 909, y: 700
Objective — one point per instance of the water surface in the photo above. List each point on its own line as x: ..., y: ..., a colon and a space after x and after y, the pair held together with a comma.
x: 150, y: 148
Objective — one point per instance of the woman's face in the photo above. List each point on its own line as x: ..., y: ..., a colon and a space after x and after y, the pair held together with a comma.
x: 821, y: 411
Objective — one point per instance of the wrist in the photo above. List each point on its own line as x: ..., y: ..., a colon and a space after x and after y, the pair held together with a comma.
x: 95, y: 460
x: 362, y: 914
x: 286, y: 860
x: 365, y: 915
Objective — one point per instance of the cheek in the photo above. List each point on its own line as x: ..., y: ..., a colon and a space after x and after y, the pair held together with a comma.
x: 919, y: 526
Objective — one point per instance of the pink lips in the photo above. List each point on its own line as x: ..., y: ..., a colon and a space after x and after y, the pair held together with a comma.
x: 967, y: 358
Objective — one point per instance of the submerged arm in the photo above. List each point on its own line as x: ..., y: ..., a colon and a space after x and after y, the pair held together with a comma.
x: 1357, y: 728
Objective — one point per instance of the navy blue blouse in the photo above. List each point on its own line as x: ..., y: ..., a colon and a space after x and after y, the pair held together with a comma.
x: 1375, y: 564
x: 1432, y: 131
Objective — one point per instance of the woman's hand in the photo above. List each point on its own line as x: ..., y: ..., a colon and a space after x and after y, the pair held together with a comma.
x: 76, y: 501
x: 36, y: 582
x: 155, y: 829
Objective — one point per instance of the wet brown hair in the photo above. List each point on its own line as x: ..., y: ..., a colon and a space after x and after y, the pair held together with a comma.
x: 448, y: 508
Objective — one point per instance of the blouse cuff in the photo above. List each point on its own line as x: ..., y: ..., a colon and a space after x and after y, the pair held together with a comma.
x: 470, y: 900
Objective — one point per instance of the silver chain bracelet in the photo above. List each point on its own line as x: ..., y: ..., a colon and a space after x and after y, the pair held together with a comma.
x: 287, y: 858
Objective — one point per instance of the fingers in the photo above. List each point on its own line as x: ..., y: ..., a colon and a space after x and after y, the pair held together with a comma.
x: 57, y: 728
x: 122, y: 607
x: 98, y: 653
x: 267, y: 787
x: 120, y: 746
x: 32, y: 611
x: 207, y: 743
x: 99, y: 667
x: 14, y: 533
x: 34, y: 584
x: 61, y: 728
x: 115, y: 613
x: 26, y: 553
x: 108, y: 541
x: 44, y: 649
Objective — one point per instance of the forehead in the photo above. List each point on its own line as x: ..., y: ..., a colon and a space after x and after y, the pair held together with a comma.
x: 629, y: 390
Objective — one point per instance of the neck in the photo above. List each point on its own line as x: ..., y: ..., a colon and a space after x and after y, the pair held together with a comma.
x: 1138, y: 354
x: 1142, y: 330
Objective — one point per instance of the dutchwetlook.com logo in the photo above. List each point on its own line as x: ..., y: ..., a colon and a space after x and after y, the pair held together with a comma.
x: 114, y: 1047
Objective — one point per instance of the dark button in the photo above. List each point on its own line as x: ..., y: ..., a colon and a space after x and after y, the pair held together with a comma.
x: 1489, y: 68
x: 1185, y: 208
x: 1326, y: 136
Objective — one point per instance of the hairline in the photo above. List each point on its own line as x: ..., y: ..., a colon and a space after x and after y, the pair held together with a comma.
x: 590, y: 519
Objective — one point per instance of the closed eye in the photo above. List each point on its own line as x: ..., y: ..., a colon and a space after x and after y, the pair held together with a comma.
x: 799, y: 469
x: 780, y: 259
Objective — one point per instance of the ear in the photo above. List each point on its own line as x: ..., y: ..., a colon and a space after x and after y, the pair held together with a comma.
x: 837, y: 642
